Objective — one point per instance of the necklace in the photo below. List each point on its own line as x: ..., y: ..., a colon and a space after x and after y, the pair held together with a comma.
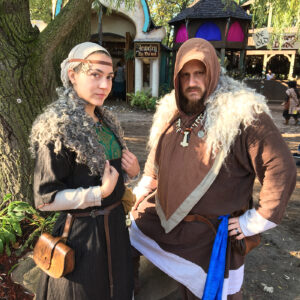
x: 187, y: 131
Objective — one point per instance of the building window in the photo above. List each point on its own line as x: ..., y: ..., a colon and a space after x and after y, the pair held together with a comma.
x: 182, y: 34
x: 209, y: 31
x: 235, y: 33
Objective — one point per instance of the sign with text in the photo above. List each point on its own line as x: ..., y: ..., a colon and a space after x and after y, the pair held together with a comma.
x: 261, y: 38
x: 290, y: 41
x: 147, y: 50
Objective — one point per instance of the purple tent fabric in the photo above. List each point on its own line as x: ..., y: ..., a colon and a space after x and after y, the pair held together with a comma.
x: 235, y: 33
x: 209, y: 31
x: 181, y: 35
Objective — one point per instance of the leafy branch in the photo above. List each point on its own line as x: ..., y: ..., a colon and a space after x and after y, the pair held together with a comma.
x: 15, y: 213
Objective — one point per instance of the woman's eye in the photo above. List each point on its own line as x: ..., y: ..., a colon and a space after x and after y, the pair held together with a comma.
x: 110, y: 77
x: 95, y: 75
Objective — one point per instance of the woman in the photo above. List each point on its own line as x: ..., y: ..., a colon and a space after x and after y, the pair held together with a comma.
x: 292, y: 104
x: 72, y: 142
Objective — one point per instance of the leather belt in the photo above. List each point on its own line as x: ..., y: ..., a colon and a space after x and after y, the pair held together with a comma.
x: 199, y: 218
x: 103, y: 212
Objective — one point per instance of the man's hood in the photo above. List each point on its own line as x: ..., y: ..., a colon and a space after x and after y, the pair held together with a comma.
x: 203, y: 51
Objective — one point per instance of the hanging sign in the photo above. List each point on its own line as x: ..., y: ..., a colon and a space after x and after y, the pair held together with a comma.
x: 261, y: 38
x: 146, y: 50
x: 290, y: 41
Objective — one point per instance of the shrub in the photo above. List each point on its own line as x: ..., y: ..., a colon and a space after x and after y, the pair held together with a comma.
x: 13, y: 214
x: 143, y: 99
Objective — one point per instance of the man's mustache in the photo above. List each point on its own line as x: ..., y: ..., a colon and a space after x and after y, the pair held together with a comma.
x: 193, y: 89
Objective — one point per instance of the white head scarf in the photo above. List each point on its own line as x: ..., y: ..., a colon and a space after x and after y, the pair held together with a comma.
x: 80, y: 51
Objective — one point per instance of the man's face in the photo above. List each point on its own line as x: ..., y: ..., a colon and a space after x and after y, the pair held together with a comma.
x: 192, y: 82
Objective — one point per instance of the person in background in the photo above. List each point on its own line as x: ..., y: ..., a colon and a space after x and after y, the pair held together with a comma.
x: 119, y: 88
x: 210, y: 138
x: 292, y: 103
x: 81, y: 165
x: 270, y: 75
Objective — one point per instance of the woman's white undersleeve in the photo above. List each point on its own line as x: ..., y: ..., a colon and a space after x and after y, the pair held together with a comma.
x: 79, y: 198
x: 251, y: 222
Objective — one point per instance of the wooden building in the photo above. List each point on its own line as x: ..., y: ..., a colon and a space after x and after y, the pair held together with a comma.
x: 132, y: 38
x: 283, y: 60
x: 225, y: 27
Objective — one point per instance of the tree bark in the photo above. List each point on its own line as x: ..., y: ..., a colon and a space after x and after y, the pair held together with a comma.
x: 28, y: 60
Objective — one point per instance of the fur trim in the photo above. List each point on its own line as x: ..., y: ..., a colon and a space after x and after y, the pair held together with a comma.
x: 65, y: 123
x: 231, y: 105
x: 166, y: 109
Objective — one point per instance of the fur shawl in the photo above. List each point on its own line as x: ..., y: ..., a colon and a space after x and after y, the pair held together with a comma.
x: 231, y: 105
x: 65, y: 123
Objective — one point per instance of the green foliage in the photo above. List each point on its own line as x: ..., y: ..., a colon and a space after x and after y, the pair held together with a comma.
x: 129, y: 55
x: 285, y: 15
x: 115, y: 4
x: 143, y: 99
x: 41, y: 10
x: 12, y: 214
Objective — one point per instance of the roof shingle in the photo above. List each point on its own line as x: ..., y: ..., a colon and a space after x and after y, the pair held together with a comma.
x: 211, y: 9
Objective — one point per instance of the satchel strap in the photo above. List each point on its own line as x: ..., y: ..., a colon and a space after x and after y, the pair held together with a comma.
x: 68, y: 225
x: 55, y: 241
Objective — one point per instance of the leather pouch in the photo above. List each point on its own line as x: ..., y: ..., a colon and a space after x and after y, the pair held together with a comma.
x: 245, y: 245
x: 52, y: 255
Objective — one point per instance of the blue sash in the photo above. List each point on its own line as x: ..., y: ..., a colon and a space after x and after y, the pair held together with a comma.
x: 215, y: 276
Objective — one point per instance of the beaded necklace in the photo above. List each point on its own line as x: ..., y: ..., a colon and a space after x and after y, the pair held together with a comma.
x: 187, y: 131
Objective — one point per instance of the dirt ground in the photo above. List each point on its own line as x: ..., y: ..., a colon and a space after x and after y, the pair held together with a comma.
x: 272, y: 270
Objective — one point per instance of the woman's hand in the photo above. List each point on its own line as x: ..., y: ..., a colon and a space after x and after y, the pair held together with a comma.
x: 109, y: 180
x: 235, y: 229
x: 130, y: 163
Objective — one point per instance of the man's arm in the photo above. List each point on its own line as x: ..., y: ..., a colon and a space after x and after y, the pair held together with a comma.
x: 276, y: 171
x: 148, y: 183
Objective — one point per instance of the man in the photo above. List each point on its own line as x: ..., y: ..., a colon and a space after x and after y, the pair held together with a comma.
x: 210, y: 138
x: 270, y: 75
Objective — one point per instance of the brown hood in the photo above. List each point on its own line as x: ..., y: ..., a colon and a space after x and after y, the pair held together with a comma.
x: 203, y: 51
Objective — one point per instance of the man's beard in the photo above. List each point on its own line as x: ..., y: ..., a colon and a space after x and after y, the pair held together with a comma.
x: 191, y: 107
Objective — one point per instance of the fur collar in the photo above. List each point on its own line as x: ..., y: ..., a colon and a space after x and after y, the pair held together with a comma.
x: 65, y: 123
x: 231, y: 105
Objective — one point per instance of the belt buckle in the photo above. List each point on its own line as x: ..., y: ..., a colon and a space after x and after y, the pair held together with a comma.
x: 93, y: 213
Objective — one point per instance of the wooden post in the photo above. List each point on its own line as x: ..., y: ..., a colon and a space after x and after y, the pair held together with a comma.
x: 129, y: 66
x: 222, y: 56
x: 292, y: 63
x: 264, y: 71
x: 242, y: 60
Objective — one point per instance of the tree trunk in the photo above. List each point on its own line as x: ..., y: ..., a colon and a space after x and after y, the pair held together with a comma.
x: 28, y: 80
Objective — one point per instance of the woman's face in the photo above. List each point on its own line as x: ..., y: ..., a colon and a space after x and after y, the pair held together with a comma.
x: 95, y: 83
